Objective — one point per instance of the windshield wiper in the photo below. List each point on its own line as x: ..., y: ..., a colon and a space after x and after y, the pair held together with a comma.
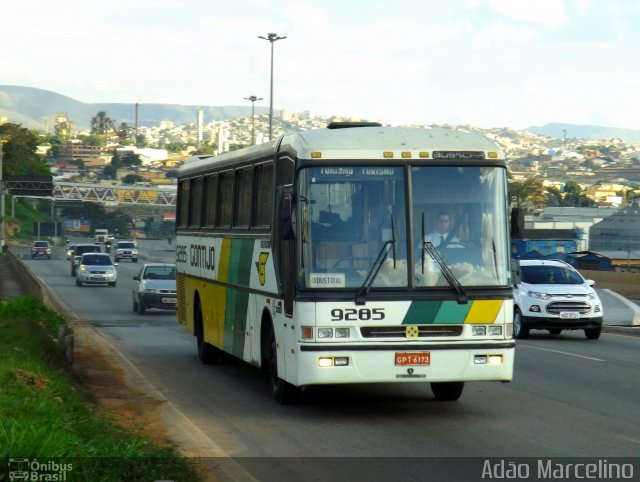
x: 446, y: 272
x: 377, y: 265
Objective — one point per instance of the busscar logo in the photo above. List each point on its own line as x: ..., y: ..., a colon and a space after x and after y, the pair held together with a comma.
x: 35, y: 470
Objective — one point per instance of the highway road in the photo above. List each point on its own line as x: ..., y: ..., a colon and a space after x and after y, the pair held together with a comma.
x: 570, y: 397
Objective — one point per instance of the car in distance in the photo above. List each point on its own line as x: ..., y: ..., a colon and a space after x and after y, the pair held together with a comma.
x: 552, y: 295
x: 96, y: 268
x: 79, y: 251
x: 70, y: 251
x: 154, y: 287
x: 126, y: 250
x: 40, y: 248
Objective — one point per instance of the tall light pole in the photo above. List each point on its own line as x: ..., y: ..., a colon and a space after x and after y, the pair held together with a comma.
x: 253, y: 100
x: 271, y: 37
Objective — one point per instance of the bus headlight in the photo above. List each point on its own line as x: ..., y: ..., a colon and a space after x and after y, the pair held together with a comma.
x: 478, y: 330
x: 325, y: 332
x: 495, y: 329
x: 342, y: 332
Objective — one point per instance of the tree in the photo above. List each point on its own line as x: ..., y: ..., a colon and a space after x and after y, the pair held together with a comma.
x: 55, y: 141
x: 131, y: 159
x: 175, y: 147
x: 132, y: 178
x: 203, y: 150
x: 110, y: 172
x: 93, y: 140
x: 98, y: 216
x: 574, y: 195
x: 531, y: 193
x: 19, y: 152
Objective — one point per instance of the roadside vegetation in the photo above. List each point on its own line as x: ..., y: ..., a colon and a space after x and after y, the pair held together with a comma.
x: 45, y: 415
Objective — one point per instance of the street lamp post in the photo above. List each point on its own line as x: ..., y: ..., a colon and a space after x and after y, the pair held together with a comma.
x: 271, y: 37
x: 253, y: 100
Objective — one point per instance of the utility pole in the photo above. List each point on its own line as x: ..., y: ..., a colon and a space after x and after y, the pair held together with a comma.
x: 253, y: 100
x: 271, y: 37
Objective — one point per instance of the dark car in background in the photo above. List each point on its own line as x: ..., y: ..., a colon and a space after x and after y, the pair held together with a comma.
x: 79, y: 251
x: 40, y: 249
x: 70, y: 250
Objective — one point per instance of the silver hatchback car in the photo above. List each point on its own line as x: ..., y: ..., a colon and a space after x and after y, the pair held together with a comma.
x: 154, y: 287
x: 96, y: 268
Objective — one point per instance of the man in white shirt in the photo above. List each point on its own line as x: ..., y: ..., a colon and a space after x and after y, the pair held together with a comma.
x: 443, y: 226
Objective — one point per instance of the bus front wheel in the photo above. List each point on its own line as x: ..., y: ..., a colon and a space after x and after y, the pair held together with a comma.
x: 283, y: 392
x: 447, y: 391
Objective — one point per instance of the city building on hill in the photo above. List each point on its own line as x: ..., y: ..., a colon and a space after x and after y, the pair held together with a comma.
x: 148, y: 156
x: 620, y: 231
x: 72, y: 151
x: 607, y: 260
x: 540, y: 243
x: 564, y: 218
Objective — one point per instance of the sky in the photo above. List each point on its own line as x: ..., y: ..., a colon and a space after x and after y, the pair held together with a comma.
x: 485, y: 63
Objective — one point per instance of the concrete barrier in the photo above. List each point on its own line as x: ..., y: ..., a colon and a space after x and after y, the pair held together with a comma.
x: 625, y: 283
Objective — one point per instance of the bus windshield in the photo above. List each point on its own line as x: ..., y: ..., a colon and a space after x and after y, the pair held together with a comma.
x: 347, y: 214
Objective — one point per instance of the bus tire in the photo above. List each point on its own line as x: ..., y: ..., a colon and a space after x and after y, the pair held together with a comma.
x: 447, y: 391
x: 519, y: 331
x: 283, y: 392
x: 207, y: 353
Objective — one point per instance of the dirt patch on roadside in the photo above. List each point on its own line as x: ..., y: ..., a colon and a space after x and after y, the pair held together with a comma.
x: 102, y: 375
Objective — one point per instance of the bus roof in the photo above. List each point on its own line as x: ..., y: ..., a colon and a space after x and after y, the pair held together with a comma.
x: 371, y: 142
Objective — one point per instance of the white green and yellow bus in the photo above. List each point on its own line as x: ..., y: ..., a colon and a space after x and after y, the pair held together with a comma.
x: 311, y: 257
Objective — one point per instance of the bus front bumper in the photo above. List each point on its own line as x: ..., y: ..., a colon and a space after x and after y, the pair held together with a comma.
x: 336, y: 364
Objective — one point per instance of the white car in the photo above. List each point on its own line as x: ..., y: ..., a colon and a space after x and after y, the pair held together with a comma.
x: 96, y: 268
x: 154, y: 287
x: 126, y: 250
x: 552, y: 295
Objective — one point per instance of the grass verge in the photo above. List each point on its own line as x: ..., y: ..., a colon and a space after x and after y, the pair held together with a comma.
x: 48, y: 427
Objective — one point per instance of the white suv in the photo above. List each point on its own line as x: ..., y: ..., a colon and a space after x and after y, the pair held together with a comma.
x: 126, y: 250
x: 552, y: 295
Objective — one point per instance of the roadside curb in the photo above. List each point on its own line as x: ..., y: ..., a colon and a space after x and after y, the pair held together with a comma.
x: 635, y: 321
x: 621, y: 330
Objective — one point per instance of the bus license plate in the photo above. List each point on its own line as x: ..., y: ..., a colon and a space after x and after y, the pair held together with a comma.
x: 569, y: 315
x: 413, y: 358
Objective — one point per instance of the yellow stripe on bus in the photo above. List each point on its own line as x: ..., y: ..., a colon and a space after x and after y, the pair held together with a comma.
x: 483, y: 311
x: 218, y: 300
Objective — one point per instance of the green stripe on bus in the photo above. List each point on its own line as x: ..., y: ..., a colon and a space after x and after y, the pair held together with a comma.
x: 421, y: 312
x: 436, y: 312
x: 452, y: 312
x: 237, y: 301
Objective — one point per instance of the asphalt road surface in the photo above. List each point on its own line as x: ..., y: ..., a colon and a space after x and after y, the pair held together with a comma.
x: 570, y: 397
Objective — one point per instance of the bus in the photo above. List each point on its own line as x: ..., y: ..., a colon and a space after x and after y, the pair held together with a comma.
x: 310, y: 257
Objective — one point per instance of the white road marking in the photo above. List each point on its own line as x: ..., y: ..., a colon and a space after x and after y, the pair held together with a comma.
x: 563, y: 353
